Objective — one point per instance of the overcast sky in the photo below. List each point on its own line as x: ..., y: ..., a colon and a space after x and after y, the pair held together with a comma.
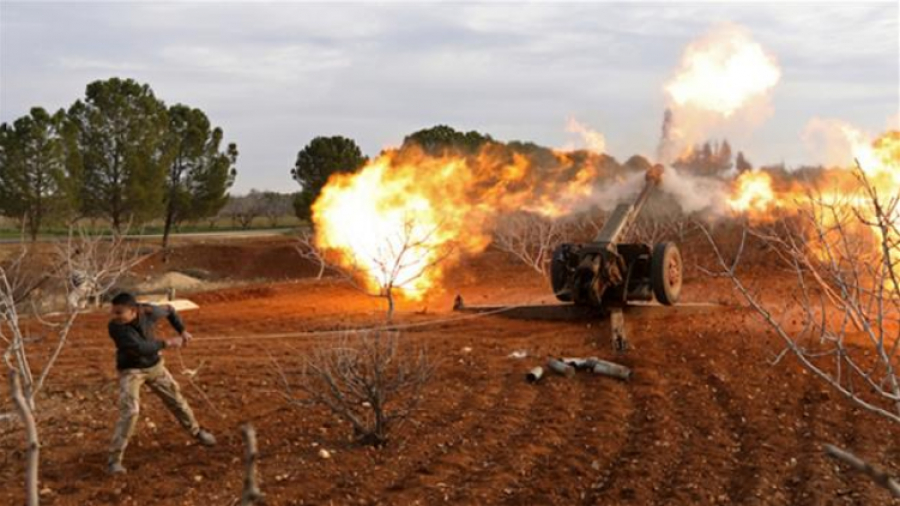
x: 275, y: 75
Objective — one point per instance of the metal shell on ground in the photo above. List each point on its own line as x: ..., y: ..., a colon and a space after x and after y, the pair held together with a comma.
x: 535, y: 375
x: 560, y: 367
x: 612, y: 369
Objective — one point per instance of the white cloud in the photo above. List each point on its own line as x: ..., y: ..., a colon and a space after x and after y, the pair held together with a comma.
x: 274, y: 75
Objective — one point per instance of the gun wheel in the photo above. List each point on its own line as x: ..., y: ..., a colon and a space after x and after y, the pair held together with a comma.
x: 666, y: 273
x: 560, y: 271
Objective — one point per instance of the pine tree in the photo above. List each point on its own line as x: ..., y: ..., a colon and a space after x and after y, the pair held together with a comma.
x: 119, y: 131
x: 199, y: 172
x: 32, y: 169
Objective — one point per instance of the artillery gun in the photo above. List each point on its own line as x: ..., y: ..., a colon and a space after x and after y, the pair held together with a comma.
x: 607, y: 274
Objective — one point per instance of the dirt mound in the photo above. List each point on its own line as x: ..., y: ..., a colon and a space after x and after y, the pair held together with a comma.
x: 269, y: 259
x: 233, y: 295
x: 169, y: 280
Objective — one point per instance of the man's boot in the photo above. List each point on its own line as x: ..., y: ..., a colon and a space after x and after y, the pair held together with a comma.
x: 205, y: 438
x: 116, y: 468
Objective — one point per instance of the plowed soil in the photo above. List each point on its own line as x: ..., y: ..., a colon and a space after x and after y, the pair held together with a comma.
x: 707, y: 418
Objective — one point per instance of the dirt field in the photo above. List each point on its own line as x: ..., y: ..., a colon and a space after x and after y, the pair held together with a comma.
x: 706, y: 419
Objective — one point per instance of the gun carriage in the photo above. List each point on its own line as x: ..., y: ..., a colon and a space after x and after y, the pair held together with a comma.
x: 607, y: 273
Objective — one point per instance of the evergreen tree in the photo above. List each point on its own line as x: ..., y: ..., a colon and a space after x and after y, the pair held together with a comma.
x: 200, y: 172
x: 119, y: 133
x: 32, y: 169
x: 318, y: 161
x: 440, y: 138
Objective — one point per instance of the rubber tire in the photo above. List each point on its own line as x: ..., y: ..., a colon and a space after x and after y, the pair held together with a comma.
x: 665, y: 289
x: 559, y: 272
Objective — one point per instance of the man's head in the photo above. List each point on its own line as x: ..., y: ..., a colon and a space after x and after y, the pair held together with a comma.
x: 124, y: 308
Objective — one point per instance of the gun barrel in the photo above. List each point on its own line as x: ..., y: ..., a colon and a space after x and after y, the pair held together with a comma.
x: 624, y: 215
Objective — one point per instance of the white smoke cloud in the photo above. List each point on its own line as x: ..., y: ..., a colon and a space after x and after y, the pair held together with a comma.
x: 593, y: 140
x: 695, y: 193
x: 829, y: 141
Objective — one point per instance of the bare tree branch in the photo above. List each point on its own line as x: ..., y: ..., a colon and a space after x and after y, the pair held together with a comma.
x: 847, y: 292
x: 880, y: 477
x: 84, y: 260
x: 367, y: 379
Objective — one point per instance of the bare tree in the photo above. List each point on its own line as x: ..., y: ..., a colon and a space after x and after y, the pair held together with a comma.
x: 682, y: 226
x: 400, y: 261
x: 531, y: 238
x: 843, y: 257
x: 92, y: 264
x: 213, y: 220
x: 588, y: 224
x: 396, y: 263
x: 655, y: 227
x: 275, y: 206
x: 242, y: 210
x: 370, y: 379
x: 307, y: 249
x: 650, y: 230
x: 96, y: 260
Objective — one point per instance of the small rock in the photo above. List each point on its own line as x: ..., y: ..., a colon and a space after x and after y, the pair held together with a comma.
x: 325, y: 454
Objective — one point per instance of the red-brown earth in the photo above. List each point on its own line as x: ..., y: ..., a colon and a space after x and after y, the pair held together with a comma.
x: 707, y: 419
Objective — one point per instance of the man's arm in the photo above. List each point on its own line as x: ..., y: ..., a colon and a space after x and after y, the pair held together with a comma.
x: 167, y: 311
x: 128, y: 340
x: 174, y: 319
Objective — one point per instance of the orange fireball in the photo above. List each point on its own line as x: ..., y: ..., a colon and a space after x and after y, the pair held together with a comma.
x: 723, y: 71
x: 753, y: 192
x: 407, y: 215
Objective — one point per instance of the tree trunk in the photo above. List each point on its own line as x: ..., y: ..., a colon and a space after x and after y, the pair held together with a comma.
x: 174, y: 180
x: 34, y: 220
x: 32, y: 455
x: 390, y: 299
x: 167, y: 229
x: 117, y: 223
x: 321, y: 269
x: 33, y: 227
x: 251, y: 493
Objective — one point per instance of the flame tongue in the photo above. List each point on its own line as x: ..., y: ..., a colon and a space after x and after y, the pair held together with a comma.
x: 840, y: 209
x: 753, y: 193
x: 396, y: 220
x: 756, y: 194
x: 386, y: 227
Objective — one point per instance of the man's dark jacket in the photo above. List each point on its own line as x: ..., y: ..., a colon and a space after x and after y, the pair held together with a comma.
x: 136, y: 347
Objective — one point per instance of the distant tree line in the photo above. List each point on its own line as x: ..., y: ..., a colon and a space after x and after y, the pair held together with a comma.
x: 119, y: 154
x: 712, y: 158
x: 243, y: 210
